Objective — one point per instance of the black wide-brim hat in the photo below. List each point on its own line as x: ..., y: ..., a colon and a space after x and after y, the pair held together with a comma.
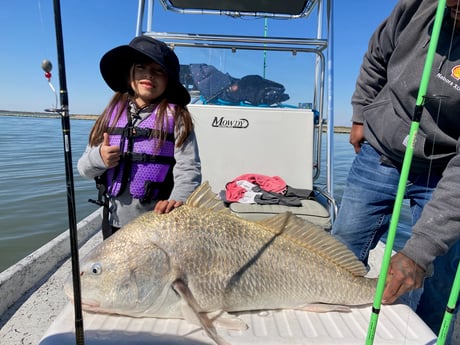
x: 116, y: 63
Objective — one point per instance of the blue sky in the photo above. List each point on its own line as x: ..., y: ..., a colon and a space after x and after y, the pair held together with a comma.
x: 92, y: 27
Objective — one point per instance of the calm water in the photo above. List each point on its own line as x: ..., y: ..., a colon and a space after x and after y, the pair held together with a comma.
x: 33, y: 200
x: 33, y: 197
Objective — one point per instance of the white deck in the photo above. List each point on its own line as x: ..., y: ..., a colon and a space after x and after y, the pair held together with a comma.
x: 397, y: 325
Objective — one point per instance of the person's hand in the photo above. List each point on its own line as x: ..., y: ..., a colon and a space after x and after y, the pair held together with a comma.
x: 166, y: 206
x: 404, y: 275
x: 356, y: 136
x: 109, y: 154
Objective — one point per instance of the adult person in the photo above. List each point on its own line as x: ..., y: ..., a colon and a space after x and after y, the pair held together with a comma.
x: 383, y: 104
x: 142, y: 149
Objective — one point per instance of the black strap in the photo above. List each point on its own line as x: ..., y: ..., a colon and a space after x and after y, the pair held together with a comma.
x: 146, y: 158
x: 137, y: 132
x: 103, y: 200
x: 106, y: 228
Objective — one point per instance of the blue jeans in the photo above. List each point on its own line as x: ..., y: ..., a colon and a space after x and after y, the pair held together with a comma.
x: 364, y: 217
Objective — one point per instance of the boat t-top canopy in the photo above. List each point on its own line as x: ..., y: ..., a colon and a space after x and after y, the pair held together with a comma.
x: 308, y: 39
x: 258, y: 8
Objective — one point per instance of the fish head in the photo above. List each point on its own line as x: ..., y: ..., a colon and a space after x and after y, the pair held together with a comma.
x: 123, y: 275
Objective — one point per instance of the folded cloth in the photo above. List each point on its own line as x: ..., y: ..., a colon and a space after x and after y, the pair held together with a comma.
x: 300, y: 193
x: 241, y: 191
x: 271, y: 198
x: 264, y: 190
x: 267, y: 183
x: 233, y: 192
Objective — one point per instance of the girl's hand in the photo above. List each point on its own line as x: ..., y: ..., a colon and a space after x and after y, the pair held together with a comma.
x: 109, y: 154
x: 166, y: 206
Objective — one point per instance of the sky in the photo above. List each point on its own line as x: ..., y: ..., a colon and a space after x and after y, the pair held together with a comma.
x: 92, y: 27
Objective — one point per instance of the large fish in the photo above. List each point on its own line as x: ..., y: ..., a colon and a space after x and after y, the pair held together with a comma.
x: 201, y: 259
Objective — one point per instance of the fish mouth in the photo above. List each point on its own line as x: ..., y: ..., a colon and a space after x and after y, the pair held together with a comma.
x: 93, y: 308
x: 89, y: 305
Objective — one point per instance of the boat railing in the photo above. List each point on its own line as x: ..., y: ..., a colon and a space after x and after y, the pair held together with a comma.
x: 18, y: 279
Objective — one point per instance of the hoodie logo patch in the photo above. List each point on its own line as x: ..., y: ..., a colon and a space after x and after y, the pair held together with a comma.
x: 456, y: 72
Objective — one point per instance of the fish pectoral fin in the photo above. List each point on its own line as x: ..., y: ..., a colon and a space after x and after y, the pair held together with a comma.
x: 228, y: 321
x: 324, y: 308
x: 191, y: 312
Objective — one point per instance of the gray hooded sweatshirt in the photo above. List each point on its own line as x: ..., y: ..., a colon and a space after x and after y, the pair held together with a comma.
x: 384, y: 101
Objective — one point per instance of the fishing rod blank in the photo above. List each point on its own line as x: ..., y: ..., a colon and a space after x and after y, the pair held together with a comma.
x: 65, y: 122
x: 450, y: 309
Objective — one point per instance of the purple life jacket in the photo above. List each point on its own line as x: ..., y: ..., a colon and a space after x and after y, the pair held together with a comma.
x: 144, y: 165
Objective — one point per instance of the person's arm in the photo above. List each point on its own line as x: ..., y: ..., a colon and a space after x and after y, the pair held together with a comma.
x: 90, y: 164
x: 439, y: 225
x: 434, y: 233
x: 97, y: 159
x: 373, y: 71
x: 374, y: 68
x: 187, y: 170
x: 371, y: 79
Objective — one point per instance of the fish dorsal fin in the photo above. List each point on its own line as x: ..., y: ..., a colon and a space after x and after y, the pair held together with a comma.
x: 277, y: 224
x: 316, y: 240
x: 203, y: 197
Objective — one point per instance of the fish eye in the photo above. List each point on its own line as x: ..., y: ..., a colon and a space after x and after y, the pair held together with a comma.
x: 96, y: 268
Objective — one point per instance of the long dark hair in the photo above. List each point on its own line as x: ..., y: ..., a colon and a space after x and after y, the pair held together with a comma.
x: 182, y: 119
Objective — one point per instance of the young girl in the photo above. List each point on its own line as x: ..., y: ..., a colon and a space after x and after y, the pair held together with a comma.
x: 142, y: 150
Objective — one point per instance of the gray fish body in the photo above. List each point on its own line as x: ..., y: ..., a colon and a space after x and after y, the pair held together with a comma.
x: 228, y: 264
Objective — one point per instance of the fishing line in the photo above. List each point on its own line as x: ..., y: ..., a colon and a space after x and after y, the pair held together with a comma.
x: 405, y: 172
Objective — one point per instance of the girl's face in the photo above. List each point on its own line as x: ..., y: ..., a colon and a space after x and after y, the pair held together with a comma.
x: 149, y: 82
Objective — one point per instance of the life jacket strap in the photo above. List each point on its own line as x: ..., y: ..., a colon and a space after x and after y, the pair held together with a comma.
x: 146, y: 158
x: 138, y: 132
x: 103, y: 200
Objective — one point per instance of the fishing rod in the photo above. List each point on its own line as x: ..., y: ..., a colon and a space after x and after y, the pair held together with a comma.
x: 450, y: 309
x: 405, y: 171
x: 65, y: 122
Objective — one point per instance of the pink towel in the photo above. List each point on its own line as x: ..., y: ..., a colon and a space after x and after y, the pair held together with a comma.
x: 235, y: 192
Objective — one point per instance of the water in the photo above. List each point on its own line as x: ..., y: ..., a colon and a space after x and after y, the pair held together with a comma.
x: 33, y: 194
x: 33, y: 198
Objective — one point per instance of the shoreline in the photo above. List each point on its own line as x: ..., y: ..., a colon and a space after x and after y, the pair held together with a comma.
x: 337, y: 129
x: 46, y: 115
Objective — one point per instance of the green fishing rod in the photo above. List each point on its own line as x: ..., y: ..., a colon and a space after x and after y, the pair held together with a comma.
x: 450, y: 309
x: 405, y: 171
